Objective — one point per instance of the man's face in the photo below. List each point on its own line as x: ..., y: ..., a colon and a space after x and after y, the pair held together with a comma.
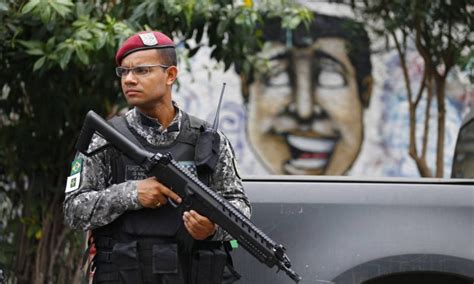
x: 153, y: 87
x: 305, y: 116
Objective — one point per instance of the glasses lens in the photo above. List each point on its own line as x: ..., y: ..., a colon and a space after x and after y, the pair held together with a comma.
x: 121, y: 71
x: 141, y: 70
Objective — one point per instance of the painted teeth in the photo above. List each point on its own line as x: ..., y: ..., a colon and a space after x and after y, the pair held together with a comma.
x: 308, y: 163
x: 311, y: 145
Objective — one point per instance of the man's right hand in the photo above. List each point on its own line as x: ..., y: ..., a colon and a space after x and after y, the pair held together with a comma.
x: 153, y: 194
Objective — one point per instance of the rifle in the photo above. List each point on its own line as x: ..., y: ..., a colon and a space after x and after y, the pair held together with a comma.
x: 194, y: 193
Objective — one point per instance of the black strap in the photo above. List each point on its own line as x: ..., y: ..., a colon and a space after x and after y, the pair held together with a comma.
x: 230, y: 262
x: 120, y: 123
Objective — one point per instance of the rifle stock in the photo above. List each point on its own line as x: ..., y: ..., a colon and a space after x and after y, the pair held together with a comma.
x: 194, y: 193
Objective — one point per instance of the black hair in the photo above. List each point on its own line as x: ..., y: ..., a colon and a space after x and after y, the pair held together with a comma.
x: 168, y: 56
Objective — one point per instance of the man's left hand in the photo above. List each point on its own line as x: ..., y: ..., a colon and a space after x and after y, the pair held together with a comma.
x: 198, y: 226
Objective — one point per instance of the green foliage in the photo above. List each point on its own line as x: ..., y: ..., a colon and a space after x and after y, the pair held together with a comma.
x: 442, y: 33
x: 57, y: 59
x: 443, y: 28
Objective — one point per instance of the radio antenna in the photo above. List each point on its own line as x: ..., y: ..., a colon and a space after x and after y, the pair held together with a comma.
x: 216, y: 119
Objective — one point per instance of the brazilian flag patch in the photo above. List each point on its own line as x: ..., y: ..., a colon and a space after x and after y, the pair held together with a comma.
x: 74, y: 180
x: 76, y: 166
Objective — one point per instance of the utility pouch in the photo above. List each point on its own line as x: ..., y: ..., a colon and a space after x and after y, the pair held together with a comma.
x: 208, y: 266
x: 125, y: 257
x: 165, y: 259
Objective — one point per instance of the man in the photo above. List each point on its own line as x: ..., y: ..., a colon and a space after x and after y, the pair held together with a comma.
x: 139, y: 237
x: 305, y: 114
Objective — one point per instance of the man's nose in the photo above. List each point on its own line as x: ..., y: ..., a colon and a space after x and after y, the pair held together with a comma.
x: 304, y: 101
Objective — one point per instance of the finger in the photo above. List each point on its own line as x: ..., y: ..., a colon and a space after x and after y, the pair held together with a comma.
x: 169, y: 193
x: 200, y: 218
x: 190, y: 229
x: 192, y: 222
x: 161, y: 199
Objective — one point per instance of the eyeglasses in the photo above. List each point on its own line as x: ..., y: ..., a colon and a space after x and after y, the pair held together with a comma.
x: 141, y: 71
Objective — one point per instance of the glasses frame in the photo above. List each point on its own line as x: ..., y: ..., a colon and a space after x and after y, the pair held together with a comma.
x: 126, y: 70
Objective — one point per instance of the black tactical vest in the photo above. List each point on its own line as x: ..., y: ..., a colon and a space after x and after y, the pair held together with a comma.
x: 152, y: 245
x: 157, y: 222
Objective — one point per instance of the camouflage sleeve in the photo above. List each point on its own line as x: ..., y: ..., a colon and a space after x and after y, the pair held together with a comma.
x: 93, y: 202
x: 226, y: 181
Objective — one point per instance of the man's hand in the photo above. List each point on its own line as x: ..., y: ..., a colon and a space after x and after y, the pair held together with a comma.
x: 198, y: 226
x: 153, y: 194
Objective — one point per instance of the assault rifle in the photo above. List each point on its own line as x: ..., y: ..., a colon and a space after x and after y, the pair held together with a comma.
x: 194, y: 193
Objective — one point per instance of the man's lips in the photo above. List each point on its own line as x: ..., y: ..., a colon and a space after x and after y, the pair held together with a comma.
x: 132, y: 92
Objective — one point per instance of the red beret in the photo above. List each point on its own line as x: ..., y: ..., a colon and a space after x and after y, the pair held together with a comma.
x: 143, y: 41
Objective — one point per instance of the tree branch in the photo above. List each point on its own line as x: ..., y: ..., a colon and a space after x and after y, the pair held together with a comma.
x: 426, y: 127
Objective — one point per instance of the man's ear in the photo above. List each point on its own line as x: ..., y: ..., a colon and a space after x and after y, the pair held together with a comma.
x: 172, y: 72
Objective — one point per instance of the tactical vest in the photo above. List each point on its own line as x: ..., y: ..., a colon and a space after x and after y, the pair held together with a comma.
x: 165, y: 220
x: 143, y: 245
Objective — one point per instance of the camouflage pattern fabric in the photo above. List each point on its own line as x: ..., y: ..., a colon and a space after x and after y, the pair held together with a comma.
x: 96, y: 202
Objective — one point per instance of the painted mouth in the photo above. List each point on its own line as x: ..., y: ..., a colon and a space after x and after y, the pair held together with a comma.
x: 309, y: 152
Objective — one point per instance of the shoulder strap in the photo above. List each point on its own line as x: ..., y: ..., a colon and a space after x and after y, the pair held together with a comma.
x: 120, y: 124
x: 117, y: 162
x: 195, y: 122
x: 191, y: 128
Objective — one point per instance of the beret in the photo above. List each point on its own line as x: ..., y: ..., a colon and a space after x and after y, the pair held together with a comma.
x: 143, y: 41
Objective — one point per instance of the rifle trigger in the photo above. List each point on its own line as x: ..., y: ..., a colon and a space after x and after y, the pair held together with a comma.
x: 170, y: 201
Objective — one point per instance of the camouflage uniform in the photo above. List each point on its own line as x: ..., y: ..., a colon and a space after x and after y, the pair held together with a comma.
x: 97, y: 202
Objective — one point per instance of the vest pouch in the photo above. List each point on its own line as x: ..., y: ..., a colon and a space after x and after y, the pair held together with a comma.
x: 165, y: 264
x: 208, y: 266
x: 165, y: 258
x: 125, y: 257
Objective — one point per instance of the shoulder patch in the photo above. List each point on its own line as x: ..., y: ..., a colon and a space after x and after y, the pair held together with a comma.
x: 73, y: 182
x: 76, y: 166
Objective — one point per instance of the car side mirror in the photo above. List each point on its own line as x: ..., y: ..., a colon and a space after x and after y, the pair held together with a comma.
x: 463, y: 160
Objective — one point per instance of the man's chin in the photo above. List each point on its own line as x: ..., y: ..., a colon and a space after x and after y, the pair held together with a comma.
x: 291, y: 169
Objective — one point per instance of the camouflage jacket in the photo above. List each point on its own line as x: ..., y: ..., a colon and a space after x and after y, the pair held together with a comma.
x: 93, y: 201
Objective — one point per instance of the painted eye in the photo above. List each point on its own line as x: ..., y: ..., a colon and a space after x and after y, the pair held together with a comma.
x: 331, y: 79
x: 280, y: 79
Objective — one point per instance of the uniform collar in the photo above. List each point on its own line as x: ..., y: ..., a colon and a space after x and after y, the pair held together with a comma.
x: 147, y: 121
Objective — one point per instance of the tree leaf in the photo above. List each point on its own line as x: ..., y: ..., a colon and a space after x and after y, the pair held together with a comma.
x: 35, y: 51
x: 30, y: 6
x: 3, y: 7
x: 60, y: 8
x: 39, y: 63
x: 82, y: 55
x: 31, y: 44
x: 65, y: 58
x: 45, y: 14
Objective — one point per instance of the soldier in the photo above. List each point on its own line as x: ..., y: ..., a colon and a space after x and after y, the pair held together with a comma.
x: 139, y: 237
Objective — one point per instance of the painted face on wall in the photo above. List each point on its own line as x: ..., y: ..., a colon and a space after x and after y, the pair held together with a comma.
x: 305, y: 114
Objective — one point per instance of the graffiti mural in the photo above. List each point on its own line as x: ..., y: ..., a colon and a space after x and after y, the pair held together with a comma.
x: 305, y: 116
x: 327, y: 105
